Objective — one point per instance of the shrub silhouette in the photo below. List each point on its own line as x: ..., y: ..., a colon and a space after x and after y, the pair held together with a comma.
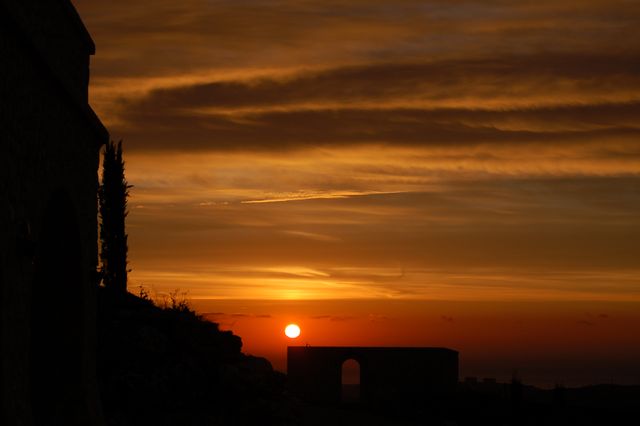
x: 165, y: 365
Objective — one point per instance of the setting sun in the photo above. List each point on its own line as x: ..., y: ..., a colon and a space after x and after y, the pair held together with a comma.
x: 292, y: 331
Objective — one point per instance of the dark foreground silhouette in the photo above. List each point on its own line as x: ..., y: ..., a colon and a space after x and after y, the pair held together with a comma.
x: 167, y: 366
x: 592, y: 405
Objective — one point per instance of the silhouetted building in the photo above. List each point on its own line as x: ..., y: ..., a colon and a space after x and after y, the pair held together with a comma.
x: 50, y: 140
x: 471, y: 380
x: 386, y: 374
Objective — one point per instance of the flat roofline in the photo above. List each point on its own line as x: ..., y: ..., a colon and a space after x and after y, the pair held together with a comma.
x: 376, y: 348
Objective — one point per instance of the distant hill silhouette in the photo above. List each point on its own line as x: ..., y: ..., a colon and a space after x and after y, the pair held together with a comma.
x: 167, y: 366
x: 501, y: 403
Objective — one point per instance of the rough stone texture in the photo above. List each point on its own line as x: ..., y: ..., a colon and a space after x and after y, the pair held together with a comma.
x: 387, y: 375
x: 49, y: 152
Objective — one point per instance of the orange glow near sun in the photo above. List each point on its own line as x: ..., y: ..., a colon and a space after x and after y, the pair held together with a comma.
x: 292, y: 331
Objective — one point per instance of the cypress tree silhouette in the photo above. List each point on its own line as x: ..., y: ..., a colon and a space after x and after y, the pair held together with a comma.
x: 113, y: 195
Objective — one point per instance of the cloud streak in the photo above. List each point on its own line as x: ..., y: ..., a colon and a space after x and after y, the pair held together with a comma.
x: 545, y: 79
x: 548, y: 99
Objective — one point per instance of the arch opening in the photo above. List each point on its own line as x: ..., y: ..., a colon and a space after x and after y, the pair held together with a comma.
x: 350, y: 381
x: 56, y: 320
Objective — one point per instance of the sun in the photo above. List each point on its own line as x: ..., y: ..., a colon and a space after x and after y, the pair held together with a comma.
x: 292, y: 331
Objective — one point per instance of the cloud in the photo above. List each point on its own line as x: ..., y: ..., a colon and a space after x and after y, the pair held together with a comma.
x: 545, y: 79
x: 313, y: 236
x: 385, y: 245
x: 334, y: 318
x: 321, y: 317
x: 199, y: 74
x: 308, y: 129
x: 545, y: 99
x: 302, y: 196
x: 378, y: 318
x: 134, y: 38
x: 225, y: 318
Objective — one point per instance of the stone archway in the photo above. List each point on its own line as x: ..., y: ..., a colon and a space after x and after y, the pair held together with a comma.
x: 387, y: 374
x: 56, y: 349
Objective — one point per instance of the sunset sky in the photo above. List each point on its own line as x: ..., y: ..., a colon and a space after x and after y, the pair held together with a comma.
x: 430, y: 173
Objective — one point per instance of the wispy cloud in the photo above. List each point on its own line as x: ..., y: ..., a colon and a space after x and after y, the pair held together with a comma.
x: 301, y: 196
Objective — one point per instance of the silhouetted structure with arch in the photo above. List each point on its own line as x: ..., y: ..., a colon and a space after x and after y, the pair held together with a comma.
x: 49, y: 153
x: 386, y: 374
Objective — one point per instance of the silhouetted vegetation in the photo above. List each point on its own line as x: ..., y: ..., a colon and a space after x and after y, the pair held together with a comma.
x: 165, y: 365
x: 113, y: 193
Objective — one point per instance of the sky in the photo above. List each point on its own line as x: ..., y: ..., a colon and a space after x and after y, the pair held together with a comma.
x: 461, y: 173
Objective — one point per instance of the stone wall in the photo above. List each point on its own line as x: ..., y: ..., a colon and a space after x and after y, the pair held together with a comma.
x: 49, y: 151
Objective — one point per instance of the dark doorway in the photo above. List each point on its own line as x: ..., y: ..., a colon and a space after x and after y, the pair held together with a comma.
x: 57, y: 326
x: 350, y: 381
